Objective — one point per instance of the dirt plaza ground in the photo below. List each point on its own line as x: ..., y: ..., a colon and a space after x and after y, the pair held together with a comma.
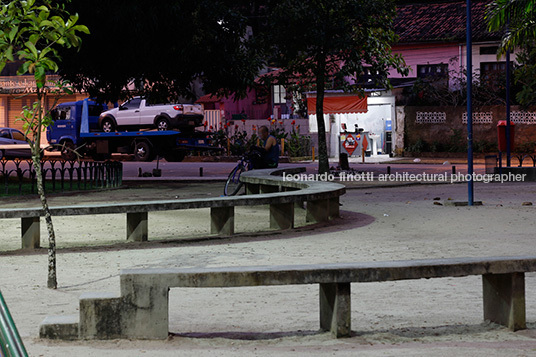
x: 437, y: 317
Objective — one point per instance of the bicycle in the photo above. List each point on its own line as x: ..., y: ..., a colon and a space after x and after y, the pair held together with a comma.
x: 233, y: 183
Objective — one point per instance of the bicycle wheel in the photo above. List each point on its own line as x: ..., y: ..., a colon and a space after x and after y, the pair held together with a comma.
x: 233, y: 184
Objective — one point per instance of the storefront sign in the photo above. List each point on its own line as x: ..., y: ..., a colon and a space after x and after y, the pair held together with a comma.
x: 350, y: 144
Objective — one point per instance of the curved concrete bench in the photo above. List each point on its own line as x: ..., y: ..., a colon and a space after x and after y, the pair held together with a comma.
x: 264, y: 187
x: 141, y: 310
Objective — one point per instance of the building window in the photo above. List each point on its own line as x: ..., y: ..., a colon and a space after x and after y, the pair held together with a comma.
x: 492, y: 68
x: 489, y: 50
x: 279, y: 94
x: 492, y: 74
x: 432, y: 70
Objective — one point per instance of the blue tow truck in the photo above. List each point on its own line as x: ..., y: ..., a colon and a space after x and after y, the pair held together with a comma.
x: 76, y: 127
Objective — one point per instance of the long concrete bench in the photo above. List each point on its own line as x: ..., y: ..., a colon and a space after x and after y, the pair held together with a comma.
x: 141, y: 310
x: 265, y: 187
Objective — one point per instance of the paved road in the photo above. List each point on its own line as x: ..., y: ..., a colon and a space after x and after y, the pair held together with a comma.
x: 220, y: 170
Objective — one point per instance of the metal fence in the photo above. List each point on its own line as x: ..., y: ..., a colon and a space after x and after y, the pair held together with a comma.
x: 493, y: 161
x: 19, y: 177
x: 11, y: 344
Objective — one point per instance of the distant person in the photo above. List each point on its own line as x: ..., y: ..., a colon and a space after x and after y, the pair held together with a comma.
x: 267, y: 155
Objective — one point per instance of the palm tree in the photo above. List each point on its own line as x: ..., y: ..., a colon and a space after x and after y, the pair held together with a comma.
x: 519, y: 19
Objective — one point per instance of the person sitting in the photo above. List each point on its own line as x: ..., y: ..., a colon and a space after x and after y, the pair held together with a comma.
x: 266, y: 156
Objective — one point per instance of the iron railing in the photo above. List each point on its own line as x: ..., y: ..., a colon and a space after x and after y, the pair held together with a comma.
x: 19, y: 177
x: 10, y: 342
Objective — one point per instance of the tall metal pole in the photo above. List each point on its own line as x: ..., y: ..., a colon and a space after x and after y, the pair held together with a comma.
x: 508, y: 143
x: 469, y: 45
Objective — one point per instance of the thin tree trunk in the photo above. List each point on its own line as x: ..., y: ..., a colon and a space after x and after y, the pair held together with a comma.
x: 52, y: 282
x: 323, y: 163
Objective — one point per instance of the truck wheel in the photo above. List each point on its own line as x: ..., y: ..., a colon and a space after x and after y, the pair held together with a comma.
x: 143, y: 151
x: 107, y: 125
x: 67, y: 151
x: 162, y: 124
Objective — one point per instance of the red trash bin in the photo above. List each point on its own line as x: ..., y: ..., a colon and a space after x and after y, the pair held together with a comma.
x: 501, y: 133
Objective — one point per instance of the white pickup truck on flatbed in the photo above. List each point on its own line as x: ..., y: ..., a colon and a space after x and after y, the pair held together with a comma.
x: 136, y: 113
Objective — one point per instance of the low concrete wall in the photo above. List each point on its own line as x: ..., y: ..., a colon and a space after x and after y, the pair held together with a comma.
x: 445, y: 135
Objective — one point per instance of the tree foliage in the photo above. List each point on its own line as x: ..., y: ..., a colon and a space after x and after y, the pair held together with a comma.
x: 525, y: 75
x: 326, y: 42
x: 159, y: 48
x: 517, y: 17
x: 32, y: 33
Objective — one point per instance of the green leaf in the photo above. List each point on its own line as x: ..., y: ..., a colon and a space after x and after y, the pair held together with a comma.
x: 9, y: 53
x: 40, y: 76
x: 46, y: 23
x: 34, y: 38
x: 32, y: 49
x: 24, y: 68
x: 13, y: 33
x: 81, y: 28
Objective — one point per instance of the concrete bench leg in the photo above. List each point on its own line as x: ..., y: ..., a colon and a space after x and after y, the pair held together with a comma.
x: 282, y: 216
x: 222, y: 220
x: 335, y: 309
x: 252, y: 189
x: 334, y: 211
x: 137, y: 226
x: 101, y: 316
x: 504, y: 299
x: 145, y: 312
x: 31, y: 234
x: 317, y: 211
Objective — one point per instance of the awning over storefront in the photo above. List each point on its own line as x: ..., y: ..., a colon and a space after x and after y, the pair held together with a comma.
x: 339, y: 104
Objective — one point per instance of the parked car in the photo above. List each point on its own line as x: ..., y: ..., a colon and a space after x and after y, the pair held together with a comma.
x: 137, y: 113
x: 13, y: 144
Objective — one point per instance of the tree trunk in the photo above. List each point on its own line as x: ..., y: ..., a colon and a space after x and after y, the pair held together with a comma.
x: 52, y: 282
x: 323, y: 163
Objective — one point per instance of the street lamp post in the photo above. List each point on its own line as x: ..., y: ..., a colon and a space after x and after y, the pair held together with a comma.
x: 470, y: 198
x: 508, y: 128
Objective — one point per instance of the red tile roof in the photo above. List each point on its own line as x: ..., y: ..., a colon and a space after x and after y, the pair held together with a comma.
x: 442, y: 22
x: 209, y: 98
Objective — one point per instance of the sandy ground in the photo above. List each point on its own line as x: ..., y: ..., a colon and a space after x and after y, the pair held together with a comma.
x: 437, y: 317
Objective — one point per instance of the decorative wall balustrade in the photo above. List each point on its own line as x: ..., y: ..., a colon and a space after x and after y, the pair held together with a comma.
x: 431, y: 117
x: 479, y: 118
x: 519, y: 117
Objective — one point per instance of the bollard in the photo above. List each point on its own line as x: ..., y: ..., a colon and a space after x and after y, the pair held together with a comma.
x: 200, y: 172
x: 388, y: 170
x: 453, y: 170
x: 283, y: 146
x: 313, y: 154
